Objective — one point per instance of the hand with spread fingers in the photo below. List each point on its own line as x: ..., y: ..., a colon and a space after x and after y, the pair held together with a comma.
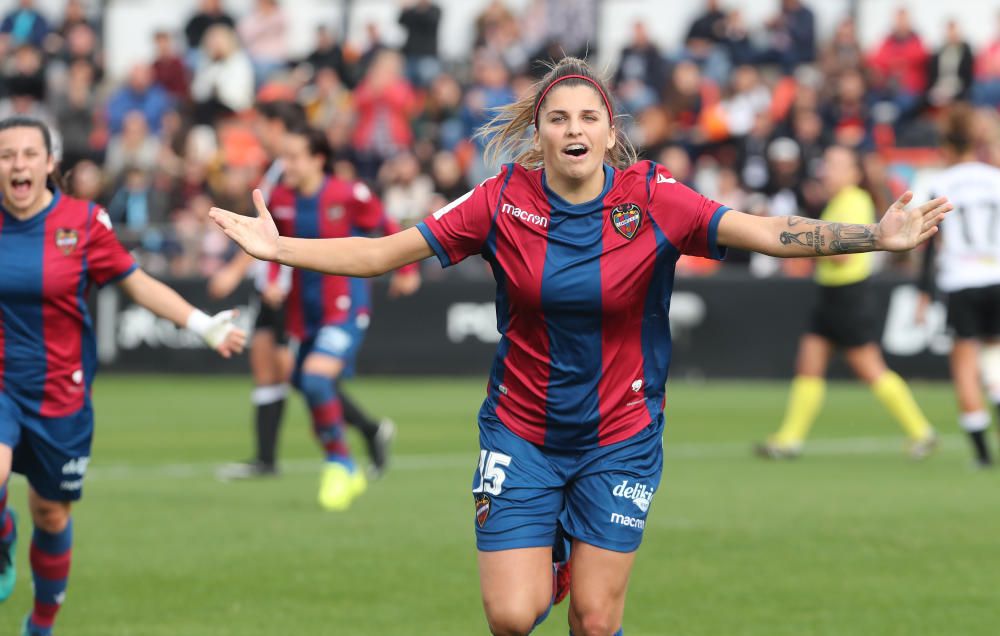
x: 258, y: 236
x: 903, y: 228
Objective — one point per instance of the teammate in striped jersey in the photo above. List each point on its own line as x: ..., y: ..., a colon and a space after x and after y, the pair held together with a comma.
x: 327, y: 315
x: 270, y: 359
x: 583, y: 240
x: 964, y: 263
x: 52, y: 249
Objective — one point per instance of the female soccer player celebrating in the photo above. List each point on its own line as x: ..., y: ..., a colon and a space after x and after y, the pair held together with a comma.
x: 583, y: 241
x: 52, y: 247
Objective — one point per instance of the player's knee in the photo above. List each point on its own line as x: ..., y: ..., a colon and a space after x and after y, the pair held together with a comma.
x: 317, y: 388
x: 48, y: 516
x: 508, y: 619
x: 593, y: 622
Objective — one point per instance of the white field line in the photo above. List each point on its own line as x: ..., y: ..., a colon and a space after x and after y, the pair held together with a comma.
x: 451, y: 461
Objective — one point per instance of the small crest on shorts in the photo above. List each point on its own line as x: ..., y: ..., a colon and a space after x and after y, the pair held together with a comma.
x: 66, y: 240
x: 627, y: 218
x: 482, y: 509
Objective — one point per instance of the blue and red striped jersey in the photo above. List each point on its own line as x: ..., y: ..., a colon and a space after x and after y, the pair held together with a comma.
x: 339, y: 209
x: 48, y: 354
x: 583, y: 296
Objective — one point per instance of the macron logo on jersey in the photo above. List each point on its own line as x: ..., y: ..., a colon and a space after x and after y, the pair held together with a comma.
x: 524, y: 215
x: 661, y: 179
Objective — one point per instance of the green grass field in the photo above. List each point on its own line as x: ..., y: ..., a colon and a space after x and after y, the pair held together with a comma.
x: 851, y: 539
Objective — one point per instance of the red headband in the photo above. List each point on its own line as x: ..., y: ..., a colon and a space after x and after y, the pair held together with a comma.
x: 541, y: 98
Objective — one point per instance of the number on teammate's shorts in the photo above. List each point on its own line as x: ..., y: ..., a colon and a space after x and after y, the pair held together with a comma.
x: 491, y: 474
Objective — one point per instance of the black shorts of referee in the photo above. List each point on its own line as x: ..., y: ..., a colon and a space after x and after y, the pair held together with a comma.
x: 846, y: 315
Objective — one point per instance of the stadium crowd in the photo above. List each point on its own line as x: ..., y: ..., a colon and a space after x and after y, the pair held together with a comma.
x: 741, y: 112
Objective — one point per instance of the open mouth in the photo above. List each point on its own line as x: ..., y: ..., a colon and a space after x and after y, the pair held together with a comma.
x: 576, y: 151
x: 20, y: 187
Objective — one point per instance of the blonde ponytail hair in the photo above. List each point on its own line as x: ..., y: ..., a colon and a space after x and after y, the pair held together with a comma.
x: 508, y: 133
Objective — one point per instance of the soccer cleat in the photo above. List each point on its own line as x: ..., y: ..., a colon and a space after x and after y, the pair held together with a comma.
x: 922, y: 448
x: 253, y: 469
x: 774, y: 450
x: 561, y: 578
x: 378, y: 447
x: 8, y: 573
x: 339, y: 485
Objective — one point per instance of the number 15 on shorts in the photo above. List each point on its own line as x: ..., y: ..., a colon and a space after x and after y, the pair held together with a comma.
x: 491, y: 474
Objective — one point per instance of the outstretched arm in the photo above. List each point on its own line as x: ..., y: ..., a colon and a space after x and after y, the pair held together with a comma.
x: 218, y: 331
x: 354, y: 256
x: 901, y: 229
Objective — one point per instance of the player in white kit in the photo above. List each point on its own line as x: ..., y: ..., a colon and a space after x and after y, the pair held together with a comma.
x: 963, y: 261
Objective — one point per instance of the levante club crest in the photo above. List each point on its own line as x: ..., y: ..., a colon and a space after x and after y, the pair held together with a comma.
x: 482, y: 509
x: 66, y: 240
x: 627, y: 219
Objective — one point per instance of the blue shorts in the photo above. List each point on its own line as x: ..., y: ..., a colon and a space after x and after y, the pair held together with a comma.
x: 52, y: 452
x: 339, y: 340
x: 599, y: 496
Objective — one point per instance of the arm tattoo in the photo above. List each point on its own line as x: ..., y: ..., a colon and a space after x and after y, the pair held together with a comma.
x: 809, y: 238
x: 852, y: 238
x: 829, y: 238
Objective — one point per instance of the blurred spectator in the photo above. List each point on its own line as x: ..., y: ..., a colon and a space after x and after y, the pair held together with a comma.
x: 899, y: 66
x: 446, y: 171
x: 791, y: 36
x: 135, y: 147
x: 203, y: 248
x: 373, y: 46
x: 264, y: 32
x: 326, y: 98
x: 85, y: 181
x: 641, y: 71
x: 136, y: 206
x: 653, y: 131
x: 140, y: 93
x: 691, y: 100
x: 709, y: 26
x: 23, y: 25
x: 223, y: 82
x: 406, y: 192
x: 747, y: 97
x: 329, y: 54
x: 843, y: 52
x: 169, y: 70
x: 950, y: 72
x: 27, y: 74
x: 209, y: 14
x: 440, y: 120
x: 571, y: 26
x: 752, y: 159
x: 421, y: 18
x: 848, y: 115
x: 490, y: 89
x: 77, y: 115
x: 384, y: 102
x: 737, y: 42
x: 986, y: 90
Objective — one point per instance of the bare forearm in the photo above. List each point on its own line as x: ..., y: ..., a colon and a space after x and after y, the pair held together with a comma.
x: 353, y: 256
x: 163, y: 301
x: 800, y: 236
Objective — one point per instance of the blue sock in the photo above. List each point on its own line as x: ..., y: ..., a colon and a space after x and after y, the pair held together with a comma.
x: 50, y: 560
x: 327, y: 416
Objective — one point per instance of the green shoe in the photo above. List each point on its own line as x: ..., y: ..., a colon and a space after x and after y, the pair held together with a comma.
x: 8, y: 574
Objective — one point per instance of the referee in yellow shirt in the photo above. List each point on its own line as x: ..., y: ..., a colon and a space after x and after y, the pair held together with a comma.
x: 845, y: 319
